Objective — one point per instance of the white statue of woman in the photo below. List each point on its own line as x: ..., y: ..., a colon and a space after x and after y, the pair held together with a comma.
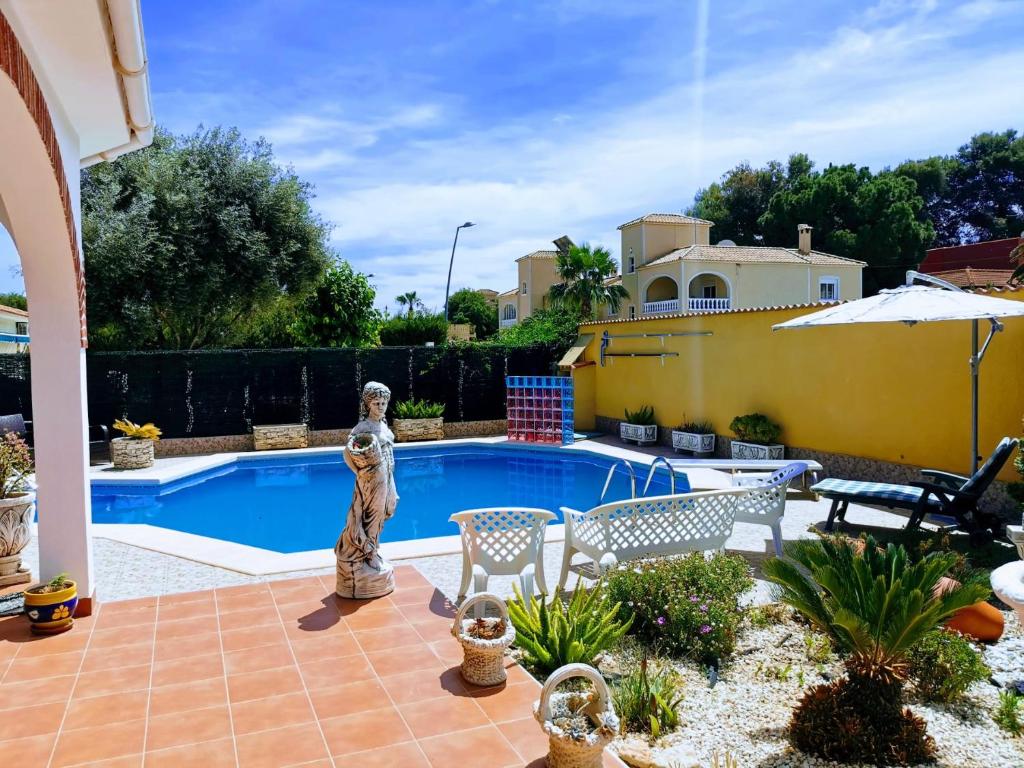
x: 362, y: 572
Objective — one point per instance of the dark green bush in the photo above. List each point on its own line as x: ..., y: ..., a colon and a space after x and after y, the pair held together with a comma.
x: 413, y: 331
x: 944, y: 664
x: 418, y: 409
x: 687, y: 606
x: 644, y: 416
x: 755, y: 428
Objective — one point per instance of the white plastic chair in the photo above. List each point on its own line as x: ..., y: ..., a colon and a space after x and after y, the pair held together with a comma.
x: 502, y: 541
x: 766, y: 503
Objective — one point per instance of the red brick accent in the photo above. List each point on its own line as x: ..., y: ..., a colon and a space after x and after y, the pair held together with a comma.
x: 15, y: 65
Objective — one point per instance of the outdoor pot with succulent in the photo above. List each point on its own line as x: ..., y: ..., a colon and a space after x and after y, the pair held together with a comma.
x: 17, y: 505
x: 135, y: 449
x: 639, y: 426
x: 756, y: 437
x: 696, y: 436
x: 418, y: 420
x: 51, y: 606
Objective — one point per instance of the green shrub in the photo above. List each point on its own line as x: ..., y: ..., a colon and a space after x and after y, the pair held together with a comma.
x: 418, y: 409
x: 553, y: 634
x: 642, y: 417
x: 1007, y: 716
x: 404, y: 330
x: 755, y: 428
x: 943, y: 665
x: 688, y: 606
x: 818, y: 648
x: 697, y: 427
x: 648, y: 703
x: 762, y: 616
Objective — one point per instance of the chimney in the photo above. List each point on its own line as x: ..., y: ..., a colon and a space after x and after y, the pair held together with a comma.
x: 804, y: 234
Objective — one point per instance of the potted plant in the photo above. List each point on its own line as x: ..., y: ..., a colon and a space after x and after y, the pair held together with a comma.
x: 51, y: 606
x: 135, y: 449
x: 579, y: 724
x: 484, y: 641
x: 418, y: 420
x: 17, y: 505
x: 695, y: 436
x: 756, y: 435
x: 639, y: 426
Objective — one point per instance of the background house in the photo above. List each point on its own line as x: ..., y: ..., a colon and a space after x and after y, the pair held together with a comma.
x: 13, y: 330
x: 536, y: 274
x: 976, y: 265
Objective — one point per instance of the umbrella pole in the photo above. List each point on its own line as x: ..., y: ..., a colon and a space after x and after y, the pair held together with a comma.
x: 975, y: 362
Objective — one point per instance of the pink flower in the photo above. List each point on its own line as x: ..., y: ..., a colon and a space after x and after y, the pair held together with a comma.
x: 705, y: 628
x: 694, y: 599
x: 661, y: 621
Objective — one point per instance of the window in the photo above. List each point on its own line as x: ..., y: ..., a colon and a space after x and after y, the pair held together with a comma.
x: 828, y: 289
x: 631, y: 262
x: 632, y: 312
x: 509, y: 313
x: 710, y: 291
x: 21, y: 329
x: 524, y: 289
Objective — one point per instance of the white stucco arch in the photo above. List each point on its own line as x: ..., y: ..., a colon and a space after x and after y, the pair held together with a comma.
x: 719, y: 275
x: 654, y: 279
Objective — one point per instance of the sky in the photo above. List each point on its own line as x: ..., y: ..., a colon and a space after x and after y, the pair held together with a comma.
x: 567, y: 117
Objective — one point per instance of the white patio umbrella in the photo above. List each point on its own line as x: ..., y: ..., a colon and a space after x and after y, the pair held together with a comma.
x: 912, y: 304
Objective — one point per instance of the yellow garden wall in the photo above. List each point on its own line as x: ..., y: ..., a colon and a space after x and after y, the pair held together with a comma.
x: 881, y: 391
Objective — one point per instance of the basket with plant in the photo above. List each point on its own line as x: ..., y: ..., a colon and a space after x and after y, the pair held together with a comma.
x: 134, y: 450
x: 579, y: 724
x: 365, y: 450
x: 484, y: 641
x: 418, y: 420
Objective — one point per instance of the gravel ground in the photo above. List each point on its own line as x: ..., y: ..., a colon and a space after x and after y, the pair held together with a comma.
x: 747, y: 712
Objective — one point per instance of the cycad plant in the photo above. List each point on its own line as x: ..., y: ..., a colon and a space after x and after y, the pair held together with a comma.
x: 584, y: 272
x: 877, y: 605
x: 553, y: 634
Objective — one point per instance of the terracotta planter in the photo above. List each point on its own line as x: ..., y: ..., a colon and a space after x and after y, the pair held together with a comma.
x: 407, y: 430
x: 51, y: 612
x: 741, y: 450
x: 16, y: 515
x: 693, y: 442
x: 641, y: 434
x: 131, y: 453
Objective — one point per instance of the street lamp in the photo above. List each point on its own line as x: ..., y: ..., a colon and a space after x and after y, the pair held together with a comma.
x: 450, y: 263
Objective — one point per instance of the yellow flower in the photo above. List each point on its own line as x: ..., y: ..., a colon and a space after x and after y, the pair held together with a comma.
x: 61, y: 612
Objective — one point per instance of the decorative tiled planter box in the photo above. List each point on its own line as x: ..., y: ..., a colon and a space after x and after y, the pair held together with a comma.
x: 641, y: 434
x: 693, y: 442
x: 408, y: 430
x: 273, y: 437
x: 16, y: 515
x: 131, y: 453
x: 741, y: 450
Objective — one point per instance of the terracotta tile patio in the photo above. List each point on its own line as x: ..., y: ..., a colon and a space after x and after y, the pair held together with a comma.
x: 271, y: 674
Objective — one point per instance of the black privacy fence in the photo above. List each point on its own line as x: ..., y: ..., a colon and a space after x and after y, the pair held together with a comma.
x: 225, y: 392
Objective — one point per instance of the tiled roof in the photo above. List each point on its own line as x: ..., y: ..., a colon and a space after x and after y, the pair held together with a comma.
x: 976, y: 278
x: 666, y: 218
x: 509, y: 292
x: 999, y: 288
x: 539, y: 255
x: 990, y: 254
x: 673, y: 316
x: 13, y: 311
x: 753, y: 254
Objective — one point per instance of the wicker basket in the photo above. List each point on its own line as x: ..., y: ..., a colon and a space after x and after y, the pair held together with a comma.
x: 366, y: 456
x: 483, y: 661
x: 564, y: 751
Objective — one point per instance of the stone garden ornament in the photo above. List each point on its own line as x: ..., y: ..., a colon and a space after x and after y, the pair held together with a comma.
x: 362, y: 571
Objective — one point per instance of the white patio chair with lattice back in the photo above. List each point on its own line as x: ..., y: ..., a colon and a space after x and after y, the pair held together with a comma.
x: 766, y: 502
x: 502, y: 541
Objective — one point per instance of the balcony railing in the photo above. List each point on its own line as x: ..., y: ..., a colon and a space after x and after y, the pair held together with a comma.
x: 506, y: 323
x: 658, y: 307
x: 710, y: 305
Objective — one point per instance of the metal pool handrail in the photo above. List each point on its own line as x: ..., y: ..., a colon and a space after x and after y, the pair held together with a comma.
x: 611, y: 472
x: 658, y: 460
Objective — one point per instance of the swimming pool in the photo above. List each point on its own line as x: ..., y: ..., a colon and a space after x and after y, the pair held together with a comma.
x: 295, y: 504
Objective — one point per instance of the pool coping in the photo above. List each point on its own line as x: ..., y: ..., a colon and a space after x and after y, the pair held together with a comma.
x: 256, y: 561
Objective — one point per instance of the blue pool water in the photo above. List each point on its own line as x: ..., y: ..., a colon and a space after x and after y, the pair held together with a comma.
x: 299, y: 503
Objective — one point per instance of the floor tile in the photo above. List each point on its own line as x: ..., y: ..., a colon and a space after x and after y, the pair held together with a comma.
x: 106, y: 710
x: 185, y: 628
x: 31, y: 720
x: 261, y: 657
x: 100, y: 743
x: 118, y: 638
x: 209, y: 754
x: 382, y: 639
x: 413, y: 595
x: 47, y: 646
x: 434, y: 631
x: 38, y: 667
x: 126, y: 606
x: 227, y: 593
x: 364, y: 731
x: 181, y: 598
x: 97, y: 659
x: 320, y: 649
x: 187, y: 670
x: 136, y: 620
x: 379, y: 619
x: 169, y: 699
x: 513, y: 702
x: 29, y: 751
x: 244, y: 619
x: 466, y: 747
x: 260, y: 685
x: 252, y: 637
x: 125, y: 761
x: 329, y: 673
x: 315, y: 621
x: 281, y: 747
x: 274, y: 712
x: 182, y: 647
x: 408, y: 658
x: 449, y: 651
x: 14, y: 695
x: 196, y: 610
x: 435, y: 611
x: 112, y: 681
x: 407, y: 755
x: 349, y: 698
x: 526, y: 738
x: 424, y: 684
x: 189, y: 727
x: 436, y: 716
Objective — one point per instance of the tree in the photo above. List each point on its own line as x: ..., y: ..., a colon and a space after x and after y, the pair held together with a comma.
x: 584, y: 272
x: 410, y: 301
x: 558, y: 326
x: 14, y: 300
x: 469, y: 306
x: 414, y: 330
x: 191, y: 236
x: 339, y: 312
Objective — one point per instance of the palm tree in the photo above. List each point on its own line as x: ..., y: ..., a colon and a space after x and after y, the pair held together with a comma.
x: 876, y: 604
x: 584, y: 272
x: 410, y: 300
